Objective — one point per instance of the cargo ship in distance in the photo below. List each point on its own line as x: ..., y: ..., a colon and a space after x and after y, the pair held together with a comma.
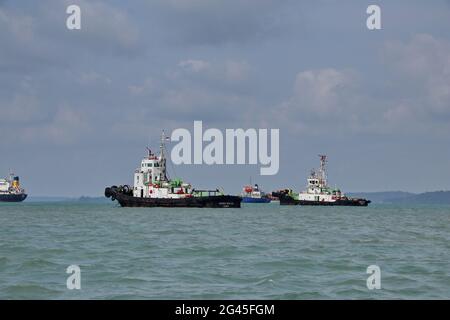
x: 10, y: 190
x: 254, y: 195
x: 318, y: 193
x: 153, y: 188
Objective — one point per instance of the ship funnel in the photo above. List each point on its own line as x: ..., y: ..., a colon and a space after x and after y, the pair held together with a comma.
x: 16, y: 183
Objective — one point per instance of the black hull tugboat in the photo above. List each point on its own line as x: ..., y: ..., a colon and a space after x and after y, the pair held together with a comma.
x: 153, y: 188
x: 318, y: 193
x: 10, y: 190
x: 213, y: 200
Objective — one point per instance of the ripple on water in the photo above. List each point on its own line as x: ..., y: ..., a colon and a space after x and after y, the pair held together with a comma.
x: 30, y: 291
x: 258, y: 252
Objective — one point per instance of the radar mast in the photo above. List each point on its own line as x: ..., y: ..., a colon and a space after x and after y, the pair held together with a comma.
x: 323, y: 170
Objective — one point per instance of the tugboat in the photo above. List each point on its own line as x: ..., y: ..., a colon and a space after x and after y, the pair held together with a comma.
x: 10, y: 190
x: 153, y: 188
x: 254, y: 195
x: 318, y: 193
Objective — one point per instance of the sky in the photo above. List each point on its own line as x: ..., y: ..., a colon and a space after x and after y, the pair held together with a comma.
x: 79, y: 107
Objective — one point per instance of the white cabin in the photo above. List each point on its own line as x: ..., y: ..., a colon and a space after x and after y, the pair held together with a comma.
x: 317, y: 188
x: 4, y: 185
x: 151, y: 181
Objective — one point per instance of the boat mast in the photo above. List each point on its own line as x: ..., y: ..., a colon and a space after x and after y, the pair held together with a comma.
x: 323, y: 170
x: 162, y: 155
x: 161, y: 147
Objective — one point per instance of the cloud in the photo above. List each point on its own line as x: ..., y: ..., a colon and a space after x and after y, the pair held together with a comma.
x: 21, y: 109
x: 46, y: 69
x: 423, y: 64
x: 17, y: 33
x: 148, y: 86
x: 93, y: 78
x: 323, y: 92
x: 415, y: 100
x: 228, y: 72
x: 105, y: 28
x: 194, y: 65
x: 66, y: 126
x: 321, y: 98
x: 237, y: 70
x: 34, y: 35
x: 215, y: 22
x: 24, y: 120
x: 16, y: 27
x: 193, y: 88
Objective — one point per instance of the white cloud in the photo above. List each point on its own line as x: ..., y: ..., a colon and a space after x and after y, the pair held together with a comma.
x: 424, y: 64
x: 323, y: 92
x: 66, y: 126
x: 237, y: 70
x: 194, y: 65
x: 149, y: 86
x: 415, y: 100
x: 321, y: 99
x: 229, y: 71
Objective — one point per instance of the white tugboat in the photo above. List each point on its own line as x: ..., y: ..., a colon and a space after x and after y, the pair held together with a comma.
x: 153, y: 188
x: 318, y: 193
x: 10, y: 190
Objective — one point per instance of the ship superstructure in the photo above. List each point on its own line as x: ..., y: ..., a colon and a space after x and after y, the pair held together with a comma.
x: 151, y: 180
x: 317, y: 188
x: 10, y: 189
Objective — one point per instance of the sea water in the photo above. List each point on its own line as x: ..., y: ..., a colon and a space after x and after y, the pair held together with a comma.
x: 261, y: 251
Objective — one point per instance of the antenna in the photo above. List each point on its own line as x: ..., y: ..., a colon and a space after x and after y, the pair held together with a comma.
x: 323, y: 169
x: 165, y: 138
x: 161, y: 146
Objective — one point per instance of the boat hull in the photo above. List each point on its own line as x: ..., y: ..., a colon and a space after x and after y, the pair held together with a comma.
x: 289, y: 201
x: 347, y: 203
x: 128, y: 200
x: 12, y: 197
x: 255, y: 200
